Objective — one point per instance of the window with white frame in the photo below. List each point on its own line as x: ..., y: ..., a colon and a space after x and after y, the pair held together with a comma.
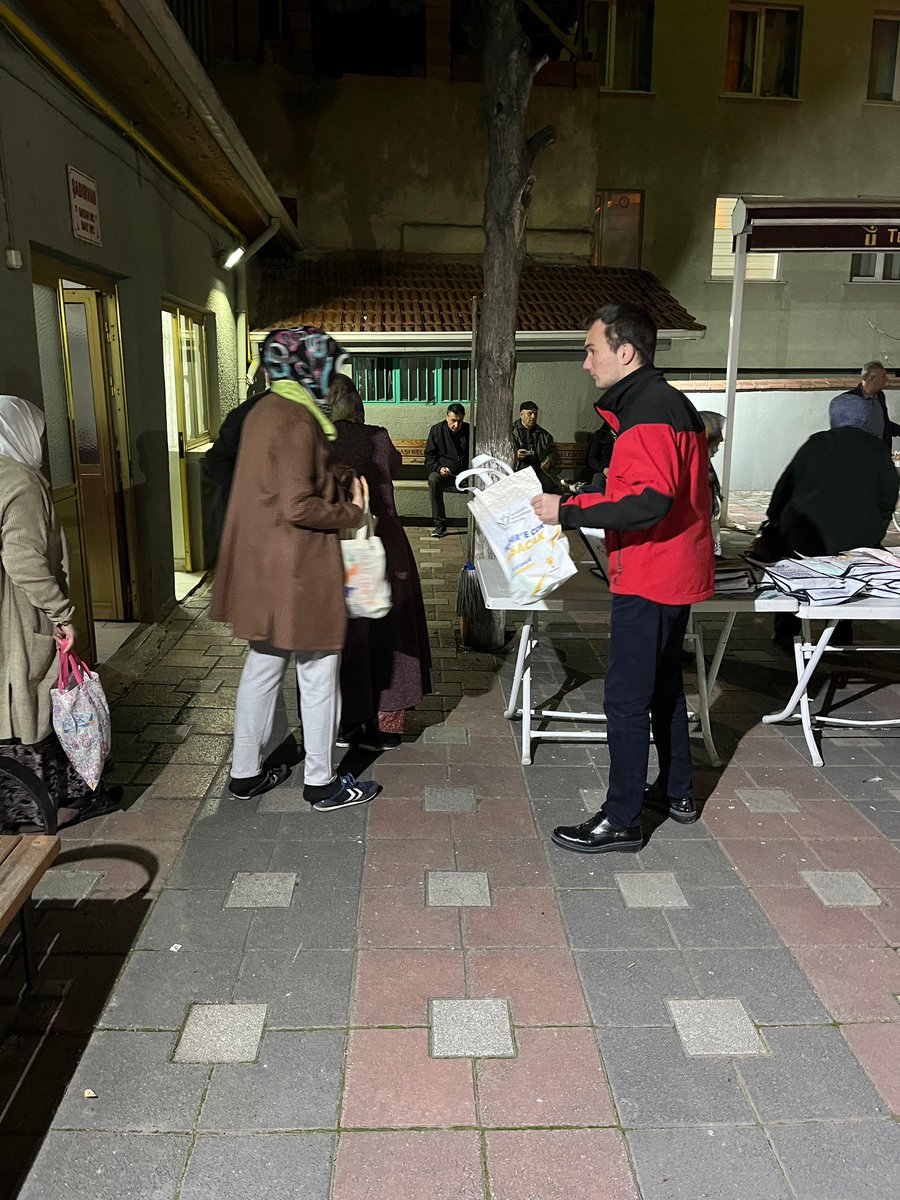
x: 763, y: 54
x: 412, y: 379
x: 759, y: 266
x: 884, y: 68
x: 184, y: 352
x: 620, y: 37
x: 617, y: 229
x: 875, y: 268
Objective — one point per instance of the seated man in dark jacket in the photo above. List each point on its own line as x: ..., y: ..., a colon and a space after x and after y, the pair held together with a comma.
x: 838, y: 492
x: 534, y: 447
x: 446, y: 456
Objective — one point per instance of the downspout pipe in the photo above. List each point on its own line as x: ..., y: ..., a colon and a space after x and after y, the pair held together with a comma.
x: 88, y: 92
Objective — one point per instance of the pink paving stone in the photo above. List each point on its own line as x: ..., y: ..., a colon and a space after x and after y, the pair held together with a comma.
x: 542, y: 986
x: 556, y: 1080
x: 391, y: 918
x: 886, y: 918
x: 491, y: 751
x: 392, y: 1082
x: 495, y: 817
x: 832, y: 819
x: 855, y: 983
x: 757, y: 753
x: 440, y: 1164
x: 560, y: 1164
x: 417, y: 753
x: 510, y: 862
x: 406, y: 780
x: 803, y: 920
x: 502, y: 782
x: 875, y: 859
x: 144, y: 866
x: 402, y: 862
x: 393, y: 986
x: 801, y: 783
x: 732, y: 819
x: 721, y: 787
x: 168, y: 815
x: 518, y: 917
x: 878, y: 1049
x: 394, y: 816
x: 771, y: 861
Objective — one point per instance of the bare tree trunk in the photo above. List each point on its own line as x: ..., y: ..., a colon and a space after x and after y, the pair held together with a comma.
x: 508, y: 75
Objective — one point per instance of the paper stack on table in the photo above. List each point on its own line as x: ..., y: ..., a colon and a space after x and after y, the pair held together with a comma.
x: 810, y: 584
x: 733, y: 580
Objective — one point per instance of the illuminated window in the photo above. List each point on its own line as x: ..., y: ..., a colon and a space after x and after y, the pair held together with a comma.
x: 759, y: 266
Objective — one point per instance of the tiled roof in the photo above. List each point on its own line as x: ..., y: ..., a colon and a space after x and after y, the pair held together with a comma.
x: 404, y: 294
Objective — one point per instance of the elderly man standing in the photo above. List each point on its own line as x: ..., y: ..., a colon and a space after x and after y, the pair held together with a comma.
x: 656, y: 511
x: 280, y: 579
x: 871, y: 388
x: 446, y: 455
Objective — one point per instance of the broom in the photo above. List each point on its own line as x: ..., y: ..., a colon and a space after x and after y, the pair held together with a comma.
x: 468, y: 595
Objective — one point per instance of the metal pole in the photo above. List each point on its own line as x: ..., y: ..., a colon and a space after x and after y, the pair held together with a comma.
x: 734, y: 346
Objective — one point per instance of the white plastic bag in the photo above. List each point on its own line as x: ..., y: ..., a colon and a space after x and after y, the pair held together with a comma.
x: 81, y: 717
x: 367, y: 590
x: 533, y: 556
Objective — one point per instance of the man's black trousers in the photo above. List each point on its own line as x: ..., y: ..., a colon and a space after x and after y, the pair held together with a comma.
x: 644, y: 688
x: 437, y: 485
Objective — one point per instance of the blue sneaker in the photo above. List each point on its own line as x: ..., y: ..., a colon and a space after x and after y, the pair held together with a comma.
x: 344, y: 792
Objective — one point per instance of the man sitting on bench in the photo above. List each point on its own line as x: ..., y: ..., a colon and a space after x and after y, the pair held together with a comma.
x: 446, y: 456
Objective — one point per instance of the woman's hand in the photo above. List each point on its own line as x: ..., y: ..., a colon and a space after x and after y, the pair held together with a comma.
x: 65, y: 636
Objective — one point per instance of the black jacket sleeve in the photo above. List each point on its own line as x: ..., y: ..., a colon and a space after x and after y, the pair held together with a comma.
x: 218, y: 463
x: 432, y: 450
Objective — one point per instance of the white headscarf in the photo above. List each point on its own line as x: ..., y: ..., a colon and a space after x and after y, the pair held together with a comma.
x: 21, y: 426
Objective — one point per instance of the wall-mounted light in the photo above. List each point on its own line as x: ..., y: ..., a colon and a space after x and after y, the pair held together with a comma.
x: 245, y: 253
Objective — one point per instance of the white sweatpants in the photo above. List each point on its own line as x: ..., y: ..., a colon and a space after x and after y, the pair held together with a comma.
x: 254, y: 712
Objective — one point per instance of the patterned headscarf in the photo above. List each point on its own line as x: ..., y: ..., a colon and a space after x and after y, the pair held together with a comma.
x: 21, y: 426
x: 307, y: 355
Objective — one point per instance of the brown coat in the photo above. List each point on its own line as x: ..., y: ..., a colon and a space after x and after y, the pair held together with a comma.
x: 33, y: 602
x: 280, y: 576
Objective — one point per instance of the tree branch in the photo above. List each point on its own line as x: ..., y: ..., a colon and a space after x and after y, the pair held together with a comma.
x: 539, y: 141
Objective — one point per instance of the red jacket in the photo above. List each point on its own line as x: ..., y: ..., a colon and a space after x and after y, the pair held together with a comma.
x: 656, y: 508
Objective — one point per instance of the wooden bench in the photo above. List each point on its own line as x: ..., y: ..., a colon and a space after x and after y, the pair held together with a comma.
x: 24, y: 859
x: 572, y: 455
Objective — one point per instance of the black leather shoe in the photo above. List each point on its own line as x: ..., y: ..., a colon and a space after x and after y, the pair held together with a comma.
x: 684, y: 810
x: 597, y: 836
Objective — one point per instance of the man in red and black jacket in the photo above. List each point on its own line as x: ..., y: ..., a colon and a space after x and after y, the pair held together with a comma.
x: 656, y: 513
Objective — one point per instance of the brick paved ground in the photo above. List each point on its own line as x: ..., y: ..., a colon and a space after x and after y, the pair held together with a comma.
x: 255, y: 1000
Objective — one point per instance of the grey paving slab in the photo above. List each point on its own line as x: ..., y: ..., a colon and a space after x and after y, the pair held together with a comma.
x: 841, y: 889
x: 884, y: 815
x: 440, y: 798
x: 321, y: 918
x: 858, y: 1163
x: 262, y: 889
x: 62, y: 885
x: 446, y: 735
x: 811, y: 1074
x: 629, y: 987
x: 313, y: 826
x: 157, y: 986
x: 560, y: 782
x: 655, y: 1083
x: 570, y: 870
x: 283, y: 800
x: 294, y: 1085
x: 767, y: 800
x: 860, y: 783
x: 650, y: 889
x: 711, y: 1163
x: 321, y: 864
x: 599, y: 920
x: 727, y: 917
x: 262, y: 1167
x: 194, y: 920
x: 107, y: 1166
x: 457, y: 889
x: 773, y: 988
x: 696, y: 863
x: 551, y: 811
x: 309, y: 989
x: 136, y: 1088
x: 229, y: 818
x: 221, y: 1033
x: 715, y: 1027
x: 470, y: 1029
x: 214, y: 862
x: 593, y: 798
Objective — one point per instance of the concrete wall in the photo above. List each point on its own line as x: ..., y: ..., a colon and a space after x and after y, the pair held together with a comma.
x: 368, y: 176
x: 157, y: 244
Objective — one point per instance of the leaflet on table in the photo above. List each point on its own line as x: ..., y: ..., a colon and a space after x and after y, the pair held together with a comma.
x: 795, y: 579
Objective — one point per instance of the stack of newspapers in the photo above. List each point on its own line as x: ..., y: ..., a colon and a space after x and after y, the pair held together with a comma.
x: 834, y: 578
x: 735, y: 579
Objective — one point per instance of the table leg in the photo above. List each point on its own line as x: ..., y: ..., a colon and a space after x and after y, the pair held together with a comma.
x: 719, y: 652
x: 703, y: 693
x: 524, y: 638
x: 803, y: 647
x: 528, y: 632
x: 803, y: 677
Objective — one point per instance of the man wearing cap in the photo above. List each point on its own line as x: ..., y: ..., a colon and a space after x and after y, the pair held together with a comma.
x: 534, y: 447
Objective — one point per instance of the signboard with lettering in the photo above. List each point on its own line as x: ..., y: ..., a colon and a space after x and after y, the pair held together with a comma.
x: 85, y: 207
x: 848, y: 225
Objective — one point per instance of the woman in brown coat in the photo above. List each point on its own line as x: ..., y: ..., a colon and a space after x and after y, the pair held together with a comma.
x: 280, y: 578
